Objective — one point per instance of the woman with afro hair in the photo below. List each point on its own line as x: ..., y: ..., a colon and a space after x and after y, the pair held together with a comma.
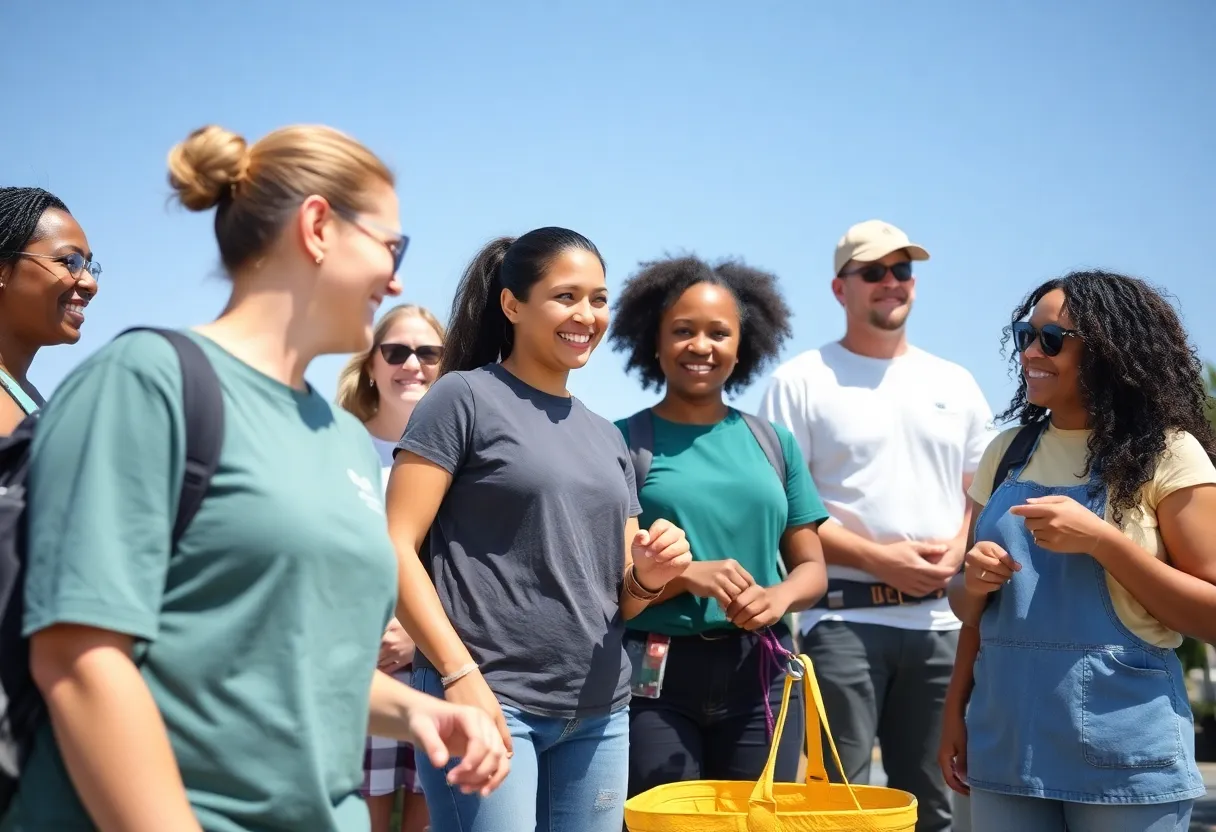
x: 742, y: 493
x: 1093, y: 552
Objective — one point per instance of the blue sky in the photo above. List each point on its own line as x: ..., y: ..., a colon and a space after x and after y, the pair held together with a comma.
x: 1015, y: 141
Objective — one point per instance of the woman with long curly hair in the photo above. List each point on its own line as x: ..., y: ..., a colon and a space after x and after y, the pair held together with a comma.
x: 380, y: 387
x: 699, y: 332
x: 1093, y: 552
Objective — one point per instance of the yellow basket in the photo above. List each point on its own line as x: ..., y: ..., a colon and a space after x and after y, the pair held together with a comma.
x: 764, y: 806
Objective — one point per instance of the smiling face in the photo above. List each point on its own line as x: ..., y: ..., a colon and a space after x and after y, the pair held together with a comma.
x: 565, y: 315
x: 884, y: 305
x: 357, y: 272
x: 698, y: 341
x: 1053, y: 381
x: 401, y: 385
x: 43, y: 302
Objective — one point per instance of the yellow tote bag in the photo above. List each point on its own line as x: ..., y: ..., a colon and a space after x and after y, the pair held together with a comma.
x: 765, y: 806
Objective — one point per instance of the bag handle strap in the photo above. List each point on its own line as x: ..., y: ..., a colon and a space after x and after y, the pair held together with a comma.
x: 762, y: 801
x: 641, y: 445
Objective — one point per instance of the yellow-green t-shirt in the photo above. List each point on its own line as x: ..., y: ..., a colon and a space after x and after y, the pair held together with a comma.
x: 1059, y: 460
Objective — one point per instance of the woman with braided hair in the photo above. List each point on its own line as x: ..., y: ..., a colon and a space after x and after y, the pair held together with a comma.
x: 47, y: 277
x: 1093, y: 553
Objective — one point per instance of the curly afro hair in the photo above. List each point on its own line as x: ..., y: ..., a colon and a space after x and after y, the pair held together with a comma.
x: 1139, y: 378
x: 764, y: 316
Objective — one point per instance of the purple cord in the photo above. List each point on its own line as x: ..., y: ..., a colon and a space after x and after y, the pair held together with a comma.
x: 769, y: 662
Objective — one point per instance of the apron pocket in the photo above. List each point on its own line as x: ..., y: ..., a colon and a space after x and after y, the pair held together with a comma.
x: 1128, y: 718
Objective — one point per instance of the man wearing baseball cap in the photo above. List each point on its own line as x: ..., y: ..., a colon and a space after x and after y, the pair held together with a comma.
x: 892, y: 436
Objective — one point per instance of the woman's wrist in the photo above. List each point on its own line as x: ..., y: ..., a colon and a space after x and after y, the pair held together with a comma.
x: 643, y: 593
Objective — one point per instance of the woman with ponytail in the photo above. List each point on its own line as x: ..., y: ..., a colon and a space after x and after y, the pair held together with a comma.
x: 533, y: 557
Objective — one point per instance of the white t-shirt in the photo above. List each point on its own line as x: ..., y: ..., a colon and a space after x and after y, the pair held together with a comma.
x: 888, y: 442
x: 385, y: 450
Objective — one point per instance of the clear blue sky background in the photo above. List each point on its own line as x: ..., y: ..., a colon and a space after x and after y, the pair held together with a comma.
x: 1015, y: 140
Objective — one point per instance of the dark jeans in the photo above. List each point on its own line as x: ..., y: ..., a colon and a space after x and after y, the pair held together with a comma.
x: 708, y: 723
x: 890, y: 684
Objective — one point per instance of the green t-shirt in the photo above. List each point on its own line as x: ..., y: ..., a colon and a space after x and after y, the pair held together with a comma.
x: 259, y: 634
x: 715, y: 482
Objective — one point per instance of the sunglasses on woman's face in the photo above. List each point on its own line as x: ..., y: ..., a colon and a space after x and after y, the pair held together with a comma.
x: 397, y: 354
x: 1051, y: 337
x: 875, y: 272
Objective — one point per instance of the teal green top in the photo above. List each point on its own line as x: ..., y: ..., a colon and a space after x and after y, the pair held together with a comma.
x: 715, y: 482
x: 259, y: 635
x: 22, y: 398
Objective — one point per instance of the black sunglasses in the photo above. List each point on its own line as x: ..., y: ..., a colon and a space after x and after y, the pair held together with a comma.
x: 396, y: 354
x: 876, y: 272
x: 1051, y: 337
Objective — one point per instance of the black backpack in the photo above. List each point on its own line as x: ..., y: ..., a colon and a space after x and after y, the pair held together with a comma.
x: 22, y: 710
x: 641, y: 451
x: 641, y: 443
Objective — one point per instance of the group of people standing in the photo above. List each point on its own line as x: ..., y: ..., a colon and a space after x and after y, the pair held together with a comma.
x: 556, y: 611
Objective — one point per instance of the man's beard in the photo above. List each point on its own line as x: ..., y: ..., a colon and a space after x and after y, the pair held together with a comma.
x: 892, y: 321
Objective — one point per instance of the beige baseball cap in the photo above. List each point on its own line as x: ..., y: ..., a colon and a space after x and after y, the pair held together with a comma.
x: 872, y: 240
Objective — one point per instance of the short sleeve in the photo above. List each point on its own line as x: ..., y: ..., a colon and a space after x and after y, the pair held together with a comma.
x: 805, y: 505
x: 990, y: 458
x: 1185, y: 464
x: 980, y: 430
x: 635, y: 505
x: 440, y: 429
x: 105, y: 480
x: 783, y: 404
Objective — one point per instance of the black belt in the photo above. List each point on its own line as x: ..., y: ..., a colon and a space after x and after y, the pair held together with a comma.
x: 847, y: 595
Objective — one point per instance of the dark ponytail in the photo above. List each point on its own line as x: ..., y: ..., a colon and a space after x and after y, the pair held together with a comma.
x: 479, y: 332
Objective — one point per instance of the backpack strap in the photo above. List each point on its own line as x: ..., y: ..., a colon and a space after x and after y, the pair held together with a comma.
x: 1019, y: 451
x: 769, y: 441
x: 641, y: 444
x: 203, y: 405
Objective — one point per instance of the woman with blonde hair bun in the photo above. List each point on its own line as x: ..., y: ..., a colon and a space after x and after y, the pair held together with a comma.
x: 226, y: 682
x: 380, y: 387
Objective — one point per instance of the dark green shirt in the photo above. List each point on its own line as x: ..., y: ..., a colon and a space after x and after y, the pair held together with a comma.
x: 715, y: 482
x: 259, y: 634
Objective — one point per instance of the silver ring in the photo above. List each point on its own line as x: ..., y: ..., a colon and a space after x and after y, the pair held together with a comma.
x: 983, y: 572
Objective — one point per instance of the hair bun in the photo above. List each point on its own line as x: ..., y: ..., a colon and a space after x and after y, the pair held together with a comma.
x: 204, y: 166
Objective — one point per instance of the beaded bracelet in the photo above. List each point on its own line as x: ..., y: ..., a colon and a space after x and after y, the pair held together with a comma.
x: 457, y: 676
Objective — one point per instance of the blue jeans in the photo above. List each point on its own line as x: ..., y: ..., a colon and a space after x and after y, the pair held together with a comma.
x: 567, y: 775
x: 996, y: 812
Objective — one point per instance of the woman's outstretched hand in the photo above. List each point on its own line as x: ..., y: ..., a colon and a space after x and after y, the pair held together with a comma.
x: 443, y: 730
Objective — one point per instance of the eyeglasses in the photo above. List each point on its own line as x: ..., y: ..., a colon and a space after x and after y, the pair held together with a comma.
x: 875, y: 272
x: 397, y: 354
x: 74, y: 262
x: 1051, y: 337
x: 396, y: 246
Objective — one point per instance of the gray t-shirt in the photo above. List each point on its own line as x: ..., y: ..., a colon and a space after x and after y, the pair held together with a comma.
x: 527, y: 551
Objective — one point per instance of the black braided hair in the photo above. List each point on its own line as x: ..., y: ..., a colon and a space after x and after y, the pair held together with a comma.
x: 1139, y: 378
x: 764, y: 316
x: 20, y: 210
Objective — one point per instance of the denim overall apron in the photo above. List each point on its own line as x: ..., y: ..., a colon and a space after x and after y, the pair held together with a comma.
x: 1068, y: 704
